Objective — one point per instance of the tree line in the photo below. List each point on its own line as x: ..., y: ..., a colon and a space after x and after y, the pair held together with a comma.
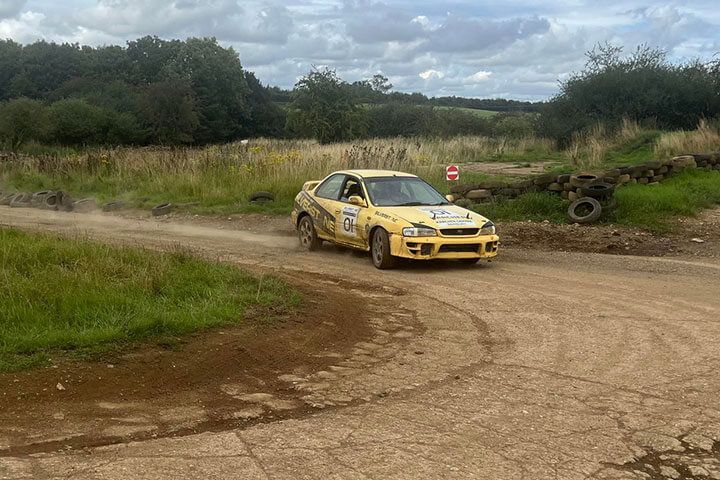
x: 155, y: 91
x: 151, y: 91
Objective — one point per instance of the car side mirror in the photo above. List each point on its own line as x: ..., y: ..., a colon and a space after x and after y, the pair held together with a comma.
x: 450, y: 198
x: 357, y: 200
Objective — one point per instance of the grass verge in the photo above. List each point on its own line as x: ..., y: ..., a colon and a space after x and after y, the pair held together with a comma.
x: 530, y: 206
x: 652, y: 207
x: 88, y: 298
x: 655, y: 207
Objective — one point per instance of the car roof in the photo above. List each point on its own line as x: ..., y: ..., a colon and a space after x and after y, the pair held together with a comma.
x: 376, y: 173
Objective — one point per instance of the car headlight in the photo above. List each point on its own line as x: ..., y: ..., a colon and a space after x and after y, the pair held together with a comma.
x: 418, y: 232
x: 488, y: 228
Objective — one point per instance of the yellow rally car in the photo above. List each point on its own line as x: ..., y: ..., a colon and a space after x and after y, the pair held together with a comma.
x: 390, y: 214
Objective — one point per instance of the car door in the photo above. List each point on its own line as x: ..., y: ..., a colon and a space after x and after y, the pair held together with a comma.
x: 350, y: 220
x: 326, y: 211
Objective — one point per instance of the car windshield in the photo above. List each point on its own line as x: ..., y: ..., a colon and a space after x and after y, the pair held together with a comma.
x: 402, y: 191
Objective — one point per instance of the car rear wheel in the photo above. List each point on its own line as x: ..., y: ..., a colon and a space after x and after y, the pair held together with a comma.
x: 380, y: 250
x: 306, y: 232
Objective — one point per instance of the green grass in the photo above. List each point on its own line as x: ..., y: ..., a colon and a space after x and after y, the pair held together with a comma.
x: 67, y: 295
x: 655, y: 207
x: 530, y: 206
x: 651, y: 207
x: 634, y: 151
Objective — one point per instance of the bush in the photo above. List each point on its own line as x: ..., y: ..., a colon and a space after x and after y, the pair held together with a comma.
x: 641, y: 86
x: 399, y: 120
x: 325, y: 108
x: 76, y: 122
x: 23, y: 120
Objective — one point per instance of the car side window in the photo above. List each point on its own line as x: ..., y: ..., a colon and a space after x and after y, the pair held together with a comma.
x: 352, y: 187
x: 330, y: 188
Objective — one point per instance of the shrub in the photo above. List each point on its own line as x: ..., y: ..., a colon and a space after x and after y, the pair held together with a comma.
x: 23, y: 120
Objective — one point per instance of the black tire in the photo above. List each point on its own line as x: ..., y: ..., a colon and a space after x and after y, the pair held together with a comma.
x: 64, y: 201
x: 307, y: 234
x: 380, y: 250
x: 85, y: 205
x: 583, y: 179
x: 262, y: 197
x: 112, y: 206
x: 6, y: 199
x: 38, y: 198
x: 597, y: 190
x: 50, y: 202
x: 20, y: 200
x: 578, y: 210
x: 162, y: 209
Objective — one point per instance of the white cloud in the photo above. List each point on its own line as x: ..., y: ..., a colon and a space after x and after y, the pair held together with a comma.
x: 480, y: 76
x: 517, y: 49
x: 26, y: 28
x: 429, y: 74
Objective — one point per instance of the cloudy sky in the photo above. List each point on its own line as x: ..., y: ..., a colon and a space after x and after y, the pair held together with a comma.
x: 513, y: 49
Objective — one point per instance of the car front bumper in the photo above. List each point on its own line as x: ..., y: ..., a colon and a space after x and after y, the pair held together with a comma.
x: 440, y: 247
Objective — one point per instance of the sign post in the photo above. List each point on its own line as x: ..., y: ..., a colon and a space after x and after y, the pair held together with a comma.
x: 452, y: 173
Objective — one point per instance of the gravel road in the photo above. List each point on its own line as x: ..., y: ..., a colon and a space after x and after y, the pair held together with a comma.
x: 538, y: 365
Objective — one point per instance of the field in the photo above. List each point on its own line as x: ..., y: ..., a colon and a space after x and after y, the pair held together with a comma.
x: 473, y: 111
x: 220, y: 178
x: 88, y: 298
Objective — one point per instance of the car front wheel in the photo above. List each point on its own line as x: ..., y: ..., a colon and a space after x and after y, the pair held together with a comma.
x: 380, y: 250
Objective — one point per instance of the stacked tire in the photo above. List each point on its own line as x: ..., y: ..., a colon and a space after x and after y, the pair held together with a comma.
x: 588, y: 194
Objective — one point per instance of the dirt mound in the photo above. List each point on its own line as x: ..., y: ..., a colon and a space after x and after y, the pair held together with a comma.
x: 694, y: 236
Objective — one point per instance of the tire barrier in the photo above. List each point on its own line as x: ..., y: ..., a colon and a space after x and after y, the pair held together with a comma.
x: 21, y: 200
x: 85, y: 205
x: 600, y: 186
x: 113, y: 206
x: 162, y: 209
x: 585, y: 210
x: 258, y: 197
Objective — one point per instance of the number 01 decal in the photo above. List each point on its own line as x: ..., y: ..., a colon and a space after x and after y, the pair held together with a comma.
x: 348, y: 221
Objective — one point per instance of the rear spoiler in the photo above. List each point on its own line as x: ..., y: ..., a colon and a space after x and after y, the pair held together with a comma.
x: 310, y: 185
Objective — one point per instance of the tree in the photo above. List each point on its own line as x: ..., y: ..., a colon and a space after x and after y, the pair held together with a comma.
x: 10, y: 54
x: 23, y: 120
x: 399, y: 120
x: 267, y: 119
x: 380, y: 84
x: 168, y: 109
x: 641, y: 86
x: 76, y: 122
x: 325, y: 108
x: 218, y: 83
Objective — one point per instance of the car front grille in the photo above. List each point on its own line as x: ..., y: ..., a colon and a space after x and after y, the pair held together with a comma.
x: 459, y: 248
x: 459, y: 231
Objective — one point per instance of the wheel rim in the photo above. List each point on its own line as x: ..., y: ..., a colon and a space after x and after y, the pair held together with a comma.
x: 377, y: 249
x: 305, y: 233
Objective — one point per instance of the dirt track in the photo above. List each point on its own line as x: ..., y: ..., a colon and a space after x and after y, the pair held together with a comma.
x: 539, y: 365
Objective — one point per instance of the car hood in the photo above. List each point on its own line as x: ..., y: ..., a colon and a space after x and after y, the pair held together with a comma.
x: 441, y: 216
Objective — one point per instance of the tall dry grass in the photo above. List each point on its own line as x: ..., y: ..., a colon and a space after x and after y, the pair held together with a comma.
x: 228, y: 174
x: 593, y: 148
x: 588, y: 148
x: 705, y: 138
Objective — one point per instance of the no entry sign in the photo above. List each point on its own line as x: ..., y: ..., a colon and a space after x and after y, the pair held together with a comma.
x: 452, y: 172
